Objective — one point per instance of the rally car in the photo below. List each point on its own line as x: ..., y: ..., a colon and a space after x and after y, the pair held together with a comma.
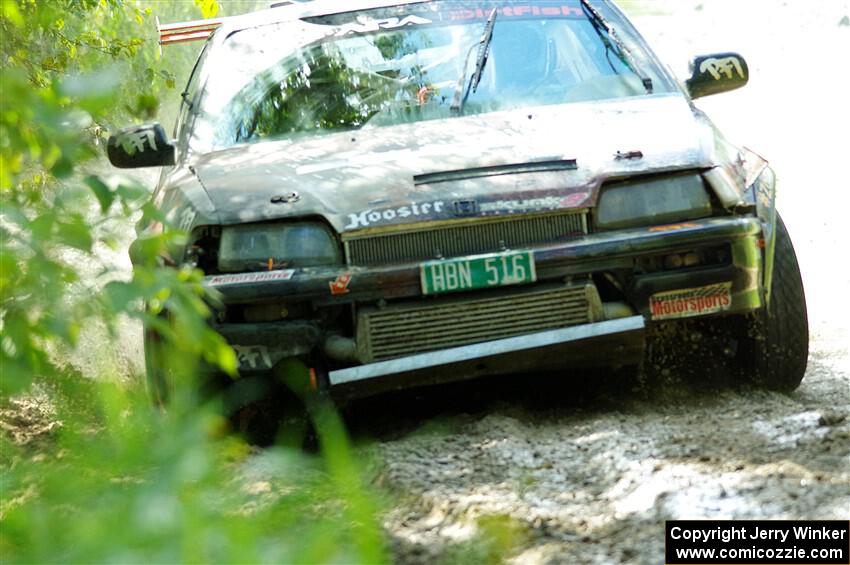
x: 390, y: 193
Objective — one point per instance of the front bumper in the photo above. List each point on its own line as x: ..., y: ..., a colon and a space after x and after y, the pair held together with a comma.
x: 533, y: 352
x: 592, y: 253
x: 616, y: 251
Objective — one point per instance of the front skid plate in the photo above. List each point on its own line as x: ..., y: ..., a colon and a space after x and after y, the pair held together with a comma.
x: 456, y: 356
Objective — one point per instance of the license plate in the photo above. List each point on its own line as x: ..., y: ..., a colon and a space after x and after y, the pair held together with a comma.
x: 470, y: 273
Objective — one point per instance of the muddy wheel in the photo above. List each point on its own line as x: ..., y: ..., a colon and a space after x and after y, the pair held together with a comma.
x: 279, y: 407
x: 779, y: 333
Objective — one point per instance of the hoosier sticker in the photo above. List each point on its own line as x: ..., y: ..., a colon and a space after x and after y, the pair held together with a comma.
x: 691, y: 301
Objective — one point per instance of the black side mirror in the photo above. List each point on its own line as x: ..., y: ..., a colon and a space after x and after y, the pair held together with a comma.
x: 140, y: 146
x: 719, y: 72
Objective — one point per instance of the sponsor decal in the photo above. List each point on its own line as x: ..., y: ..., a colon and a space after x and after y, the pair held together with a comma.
x: 530, y: 204
x: 574, y: 200
x: 465, y: 208
x: 242, y: 278
x: 726, y: 66
x: 519, y: 11
x: 340, y: 284
x: 691, y: 301
x: 462, y: 208
x: 368, y: 25
x: 253, y: 356
x: 424, y: 94
x: 375, y: 217
x: 133, y: 142
x: 545, y: 203
x: 673, y: 227
x: 764, y: 193
x: 186, y: 219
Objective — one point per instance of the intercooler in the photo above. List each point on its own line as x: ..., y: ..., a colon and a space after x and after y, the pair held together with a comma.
x: 406, y: 329
x: 468, y: 238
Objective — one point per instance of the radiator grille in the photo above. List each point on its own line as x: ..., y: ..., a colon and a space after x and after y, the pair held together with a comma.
x: 467, y: 239
x: 406, y: 330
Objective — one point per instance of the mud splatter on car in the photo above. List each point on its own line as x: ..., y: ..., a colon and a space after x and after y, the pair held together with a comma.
x: 395, y: 194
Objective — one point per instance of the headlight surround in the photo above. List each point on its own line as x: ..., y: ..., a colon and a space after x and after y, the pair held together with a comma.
x: 249, y: 247
x: 652, y: 201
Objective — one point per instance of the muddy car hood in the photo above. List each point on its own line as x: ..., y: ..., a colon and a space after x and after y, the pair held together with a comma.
x: 375, y: 178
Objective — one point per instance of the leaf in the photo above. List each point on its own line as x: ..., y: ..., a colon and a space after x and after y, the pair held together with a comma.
x: 146, y: 106
x: 131, y: 193
x: 10, y: 272
x: 62, y: 168
x: 64, y: 328
x: 216, y: 350
x: 146, y: 250
x: 17, y: 377
x: 122, y: 295
x: 75, y: 233
x: 103, y: 193
x: 209, y: 8
x: 151, y: 214
x: 42, y: 227
x: 11, y: 13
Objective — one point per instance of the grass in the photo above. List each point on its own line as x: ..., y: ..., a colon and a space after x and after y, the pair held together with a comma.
x: 122, y: 481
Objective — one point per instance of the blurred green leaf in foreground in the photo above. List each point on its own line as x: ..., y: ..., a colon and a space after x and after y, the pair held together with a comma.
x: 121, y: 481
x: 109, y: 477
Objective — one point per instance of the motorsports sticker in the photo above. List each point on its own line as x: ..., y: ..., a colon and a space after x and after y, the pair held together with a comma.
x: 242, y: 278
x: 691, y: 301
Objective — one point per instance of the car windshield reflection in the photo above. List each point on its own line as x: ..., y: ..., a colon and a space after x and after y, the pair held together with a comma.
x: 332, y: 76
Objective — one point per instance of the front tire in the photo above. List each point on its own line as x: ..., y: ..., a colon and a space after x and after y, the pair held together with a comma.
x: 779, y: 333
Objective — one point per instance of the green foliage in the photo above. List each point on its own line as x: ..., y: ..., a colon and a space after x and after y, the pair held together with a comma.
x: 126, y: 482
x: 62, y: 79
x: 497, y: 537
x: 123, y: 481
x: 319, y: 92
x: 71, y: 38
x: 209, y: 8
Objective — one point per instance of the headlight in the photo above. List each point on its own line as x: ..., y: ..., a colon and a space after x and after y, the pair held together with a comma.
x: 250, y: 247
x: 652, y: 201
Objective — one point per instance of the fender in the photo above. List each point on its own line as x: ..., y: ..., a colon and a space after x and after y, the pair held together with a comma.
x: 764, y: 191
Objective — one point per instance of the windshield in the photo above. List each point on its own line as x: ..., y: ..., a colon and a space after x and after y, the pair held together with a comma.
x: 391, y: 66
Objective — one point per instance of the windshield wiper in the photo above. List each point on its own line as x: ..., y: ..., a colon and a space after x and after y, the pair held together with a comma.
x: 483, y: 45
x: 604, y: 28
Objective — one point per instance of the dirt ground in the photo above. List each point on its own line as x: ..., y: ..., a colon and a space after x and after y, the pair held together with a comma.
x: 587, y: 471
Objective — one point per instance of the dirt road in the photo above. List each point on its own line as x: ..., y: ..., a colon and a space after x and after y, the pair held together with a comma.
x: 587, y: 472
